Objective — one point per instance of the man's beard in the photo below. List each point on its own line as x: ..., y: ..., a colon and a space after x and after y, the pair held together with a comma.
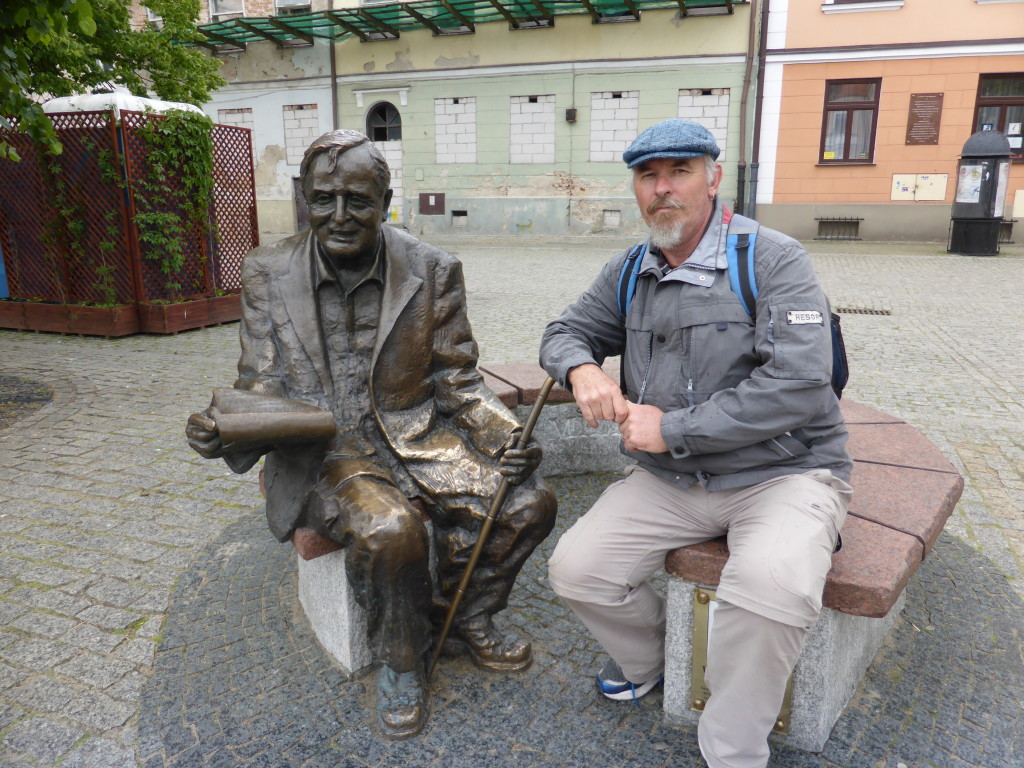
x: 666, y: 234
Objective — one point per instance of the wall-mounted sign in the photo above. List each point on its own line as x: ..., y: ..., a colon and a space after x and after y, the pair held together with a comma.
x: 924, y: 118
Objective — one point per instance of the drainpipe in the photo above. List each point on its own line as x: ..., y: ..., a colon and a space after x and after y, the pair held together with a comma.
x: 335, y: 116
x: 568, y: 204
x: 748, y: 63
x: 758, y: 107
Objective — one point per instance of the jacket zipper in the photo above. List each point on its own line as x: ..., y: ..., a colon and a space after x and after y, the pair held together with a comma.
x: 647, y: 370
x: 689, y: 356
x: 650, y: 354
x: 646, y: 373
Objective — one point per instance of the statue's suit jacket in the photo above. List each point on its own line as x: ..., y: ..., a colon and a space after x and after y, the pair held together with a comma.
x: 427, y: 395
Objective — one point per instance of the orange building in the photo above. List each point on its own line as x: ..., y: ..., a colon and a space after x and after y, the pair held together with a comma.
x: 866, y: 105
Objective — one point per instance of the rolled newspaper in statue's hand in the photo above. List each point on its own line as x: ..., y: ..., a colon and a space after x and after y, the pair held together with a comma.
x: 249, y: 420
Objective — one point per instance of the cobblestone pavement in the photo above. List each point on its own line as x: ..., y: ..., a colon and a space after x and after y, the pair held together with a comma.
x: 147, y: 617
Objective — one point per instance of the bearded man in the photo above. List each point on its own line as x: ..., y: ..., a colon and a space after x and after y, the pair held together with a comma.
x: 735, y: 430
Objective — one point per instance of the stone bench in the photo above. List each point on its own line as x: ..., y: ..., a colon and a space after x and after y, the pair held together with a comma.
x: 904, y: 491
x: 327, y: 600
x: 324, y: 592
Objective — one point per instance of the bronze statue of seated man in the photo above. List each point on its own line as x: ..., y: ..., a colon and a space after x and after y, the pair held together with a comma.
x: 368, y: 323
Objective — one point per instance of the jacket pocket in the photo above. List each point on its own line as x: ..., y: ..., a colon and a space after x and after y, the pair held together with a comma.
x: 801, y: 341
x: 720, y: 350
x: 789, y: 447
x: 778, y: 451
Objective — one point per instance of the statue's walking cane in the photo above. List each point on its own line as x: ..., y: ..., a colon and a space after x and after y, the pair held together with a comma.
x: 485, y: 530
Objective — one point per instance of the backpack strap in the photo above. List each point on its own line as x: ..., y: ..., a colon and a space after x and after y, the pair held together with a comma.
x: 627, y: 278
x: 740, y: 255
x: 739, y: 252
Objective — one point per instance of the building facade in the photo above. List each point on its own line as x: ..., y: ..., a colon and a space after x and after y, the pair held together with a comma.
x: 496, y: 117
x: 867, y: 105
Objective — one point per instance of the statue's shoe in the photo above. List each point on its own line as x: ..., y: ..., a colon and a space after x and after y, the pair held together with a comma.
x: 492, y: 649
x: 401, y: 702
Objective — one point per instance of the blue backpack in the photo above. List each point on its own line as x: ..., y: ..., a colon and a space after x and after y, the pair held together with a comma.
x: 739, y: 251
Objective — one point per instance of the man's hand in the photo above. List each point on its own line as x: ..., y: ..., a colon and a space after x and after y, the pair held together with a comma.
x: 517, y: 464
x: 597, y: 395
x: 641, y: 431
x: 203, y: 436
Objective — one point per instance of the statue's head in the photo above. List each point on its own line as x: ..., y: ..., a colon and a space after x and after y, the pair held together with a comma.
x: 345, y: 181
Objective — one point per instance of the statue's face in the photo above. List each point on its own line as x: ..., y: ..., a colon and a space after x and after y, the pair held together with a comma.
x: 347, y: 204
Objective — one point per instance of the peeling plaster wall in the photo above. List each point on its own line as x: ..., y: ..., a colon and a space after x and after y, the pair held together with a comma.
x: 265, y: 61
x: 265, y: 79
x: 530, y: 216
x: 569, y: 195
x: 656, y: 57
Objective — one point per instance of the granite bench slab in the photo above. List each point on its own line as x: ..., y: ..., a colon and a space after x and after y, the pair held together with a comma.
x: 904, y: 491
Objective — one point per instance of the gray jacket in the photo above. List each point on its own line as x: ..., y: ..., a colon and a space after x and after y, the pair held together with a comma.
x: 745, y: 399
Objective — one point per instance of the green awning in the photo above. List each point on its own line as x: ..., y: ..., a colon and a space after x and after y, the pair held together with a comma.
x: 386, y: 21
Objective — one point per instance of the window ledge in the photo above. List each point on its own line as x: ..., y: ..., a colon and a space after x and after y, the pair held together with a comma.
x: 830, y: 163
x: 993, y: 2
x: 876, y: 5
x: 401, y: 90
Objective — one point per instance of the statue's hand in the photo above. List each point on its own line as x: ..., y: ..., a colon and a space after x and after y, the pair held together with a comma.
x: 203, y: 436
x: 517, y: 464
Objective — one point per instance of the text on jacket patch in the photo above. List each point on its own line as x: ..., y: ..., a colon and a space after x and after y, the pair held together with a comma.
x: 804, y: 317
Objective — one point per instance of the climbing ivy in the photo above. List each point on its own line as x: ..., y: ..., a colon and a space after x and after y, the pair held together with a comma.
x: 103, y: 268
x: 173, y: 198
x: 172, y: 206
x: 67, y: 219
x: 65, y: 235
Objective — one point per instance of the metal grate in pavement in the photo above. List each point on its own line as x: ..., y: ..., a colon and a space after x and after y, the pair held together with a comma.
x: 862, y: 311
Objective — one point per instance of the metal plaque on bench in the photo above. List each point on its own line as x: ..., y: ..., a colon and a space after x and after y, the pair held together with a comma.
x: 703, y: 619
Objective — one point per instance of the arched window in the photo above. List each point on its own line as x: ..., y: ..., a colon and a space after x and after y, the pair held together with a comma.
x: 383, y: 123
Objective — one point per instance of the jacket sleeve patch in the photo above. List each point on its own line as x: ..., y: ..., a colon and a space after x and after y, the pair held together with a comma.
x: 804, y: 317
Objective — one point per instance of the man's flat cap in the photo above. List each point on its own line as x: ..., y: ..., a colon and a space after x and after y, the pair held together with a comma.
x: 671, y: 138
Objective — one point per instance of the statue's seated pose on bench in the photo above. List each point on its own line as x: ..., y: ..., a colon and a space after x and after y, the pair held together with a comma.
x: 367, y: 322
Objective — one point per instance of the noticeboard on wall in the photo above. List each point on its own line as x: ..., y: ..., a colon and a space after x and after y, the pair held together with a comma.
x: 924, y: 118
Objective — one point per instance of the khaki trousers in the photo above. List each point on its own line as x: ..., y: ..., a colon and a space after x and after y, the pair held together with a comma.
x: 781, y: 535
